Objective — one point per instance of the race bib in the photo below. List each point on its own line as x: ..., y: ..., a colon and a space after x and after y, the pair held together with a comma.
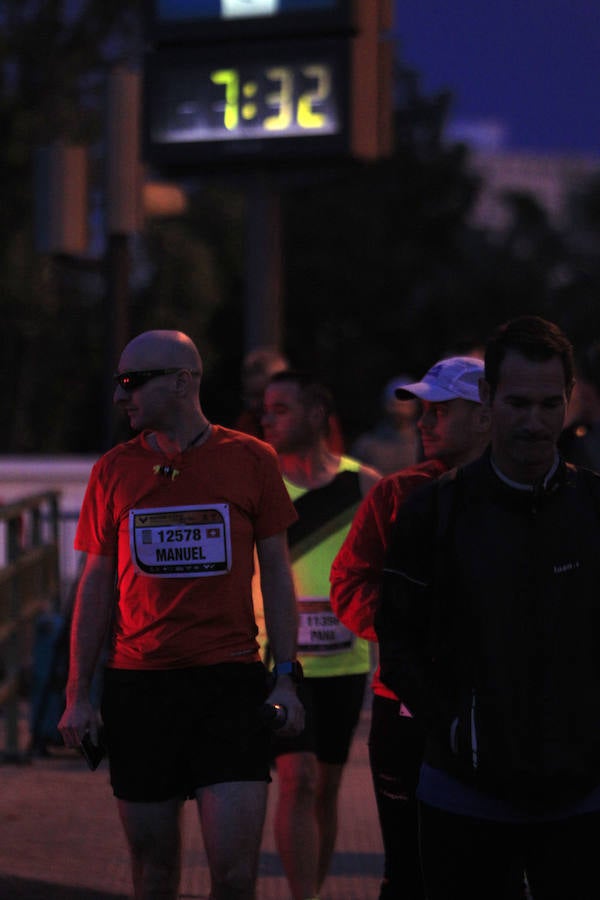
x: 320, y: 632
x: 181, y: 541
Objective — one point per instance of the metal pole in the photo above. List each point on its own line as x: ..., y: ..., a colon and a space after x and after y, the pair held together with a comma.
x: 118, y: 265
x: 123, y: 218
x: 263, y: 308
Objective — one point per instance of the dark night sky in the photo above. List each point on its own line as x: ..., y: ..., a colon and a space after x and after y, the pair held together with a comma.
x: 533, y: 65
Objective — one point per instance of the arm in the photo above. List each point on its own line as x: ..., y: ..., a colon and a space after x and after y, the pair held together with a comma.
x: 91, y: 618
x: 403, y: 620
x: 281, y: 619
x: 356, y: 571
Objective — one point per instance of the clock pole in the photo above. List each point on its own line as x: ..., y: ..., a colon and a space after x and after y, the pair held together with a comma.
x: 263, y: 263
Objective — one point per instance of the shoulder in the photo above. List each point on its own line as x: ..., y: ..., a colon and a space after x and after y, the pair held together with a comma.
x: 349, y: 464
x: 419, y: 473
x: 367, y: 476
x: 434, y: 488
x: 401, y: 484
x: 122, y: 453
x: 230, y: 440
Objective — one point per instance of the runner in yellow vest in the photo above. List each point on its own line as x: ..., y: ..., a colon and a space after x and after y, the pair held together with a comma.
x: 326, y: 489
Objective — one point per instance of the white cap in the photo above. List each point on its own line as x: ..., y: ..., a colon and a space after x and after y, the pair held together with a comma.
x: 457, y: 376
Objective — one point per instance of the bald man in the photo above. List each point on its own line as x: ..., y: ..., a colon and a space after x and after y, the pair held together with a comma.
x: 169, y: 525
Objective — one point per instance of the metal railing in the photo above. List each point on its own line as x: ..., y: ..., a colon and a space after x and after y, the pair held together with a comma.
x: 29, y: 586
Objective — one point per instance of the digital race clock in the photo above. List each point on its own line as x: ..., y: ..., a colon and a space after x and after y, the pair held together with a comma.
x: 274, y: 99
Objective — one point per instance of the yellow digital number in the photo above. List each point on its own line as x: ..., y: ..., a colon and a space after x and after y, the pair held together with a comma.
x: 282, y: 99
x: 231, y: 79
x: 307, y: 117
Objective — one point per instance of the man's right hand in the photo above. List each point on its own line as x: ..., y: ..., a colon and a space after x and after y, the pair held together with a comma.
x: 78, y: 719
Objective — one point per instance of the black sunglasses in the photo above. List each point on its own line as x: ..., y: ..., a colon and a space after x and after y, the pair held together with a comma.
x: 129, y: 381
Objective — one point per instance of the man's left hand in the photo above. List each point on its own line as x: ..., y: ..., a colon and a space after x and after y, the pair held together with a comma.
x: 284, y: 694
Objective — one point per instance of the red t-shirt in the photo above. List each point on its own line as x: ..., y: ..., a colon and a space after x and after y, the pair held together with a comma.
x: 357, y: 569
x: 184, y: 541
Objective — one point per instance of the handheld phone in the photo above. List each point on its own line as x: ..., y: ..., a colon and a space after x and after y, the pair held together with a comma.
x: 273, y: 715
x: 93, y: 753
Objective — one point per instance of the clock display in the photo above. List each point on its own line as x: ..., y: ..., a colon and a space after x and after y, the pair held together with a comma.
x: 274, y: 94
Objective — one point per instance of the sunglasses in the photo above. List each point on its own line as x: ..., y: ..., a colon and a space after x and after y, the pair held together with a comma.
x: 129, y: 381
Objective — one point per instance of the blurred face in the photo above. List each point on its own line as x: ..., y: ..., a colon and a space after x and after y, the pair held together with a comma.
x: 450, y: 430
x: 528, y: 413
x: 401, y: 411
x: 287, y: 423
x: 253, y: 393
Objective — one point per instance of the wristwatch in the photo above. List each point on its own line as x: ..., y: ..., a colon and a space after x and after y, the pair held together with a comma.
x: 293, y: 668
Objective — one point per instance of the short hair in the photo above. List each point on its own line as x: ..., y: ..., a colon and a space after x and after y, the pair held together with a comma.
x: 313, y: 392
x: 534, y: 338
x: 263, y: 361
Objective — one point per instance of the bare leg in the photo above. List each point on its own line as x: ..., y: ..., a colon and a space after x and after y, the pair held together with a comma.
x: 328, y: 787
x: 296, y: 828
x: 232, y: 816
x: 153, y: 832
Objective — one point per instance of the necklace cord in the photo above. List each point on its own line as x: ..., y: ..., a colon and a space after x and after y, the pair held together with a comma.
x: 168, y: 469
x: 200, y: 434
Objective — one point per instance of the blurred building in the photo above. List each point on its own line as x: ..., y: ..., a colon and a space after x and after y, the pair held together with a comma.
x: 550, y: 178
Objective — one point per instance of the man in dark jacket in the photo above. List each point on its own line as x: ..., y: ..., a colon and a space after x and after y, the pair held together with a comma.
x: 454, y: 430
x: 488, y: 628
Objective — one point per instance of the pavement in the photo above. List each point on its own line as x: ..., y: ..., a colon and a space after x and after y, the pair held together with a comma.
x: 60, y: 838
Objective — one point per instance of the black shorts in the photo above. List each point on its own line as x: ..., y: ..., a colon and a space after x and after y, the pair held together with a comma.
x: 332, y: 707
x: 172, y: 731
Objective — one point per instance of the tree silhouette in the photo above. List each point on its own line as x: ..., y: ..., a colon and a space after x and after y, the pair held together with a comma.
x: 383, y: 271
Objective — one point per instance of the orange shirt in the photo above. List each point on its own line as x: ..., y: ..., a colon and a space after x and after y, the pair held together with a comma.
x: 184, y: 545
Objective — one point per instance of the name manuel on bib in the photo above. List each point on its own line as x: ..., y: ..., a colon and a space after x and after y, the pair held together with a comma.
x: 179, y: 554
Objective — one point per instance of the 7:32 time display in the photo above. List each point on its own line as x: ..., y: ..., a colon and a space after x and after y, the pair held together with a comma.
x: 288, y: 98
x: 200, y: 99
